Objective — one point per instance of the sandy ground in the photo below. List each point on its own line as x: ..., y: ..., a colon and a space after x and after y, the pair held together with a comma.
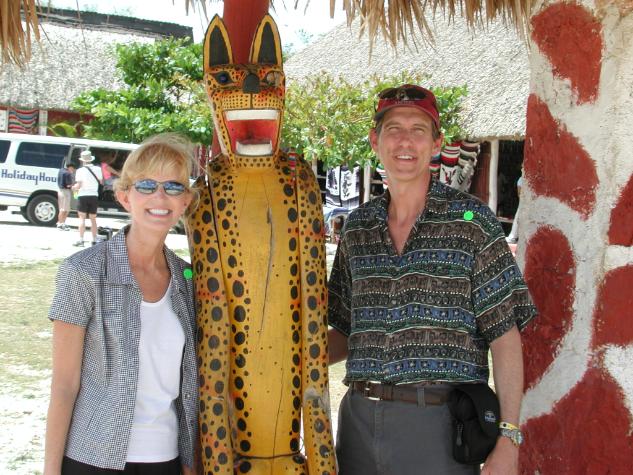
x: 23, y: 242
x: 23, y: 410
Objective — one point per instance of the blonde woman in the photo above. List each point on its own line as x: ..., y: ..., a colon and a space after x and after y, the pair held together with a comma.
x: 124, y: 386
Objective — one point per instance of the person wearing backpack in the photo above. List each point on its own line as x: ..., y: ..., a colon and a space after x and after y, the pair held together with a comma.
x: 87, y: 182
x: 64, y: 182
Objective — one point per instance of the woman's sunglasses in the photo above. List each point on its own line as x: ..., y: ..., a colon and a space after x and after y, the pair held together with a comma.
x: 149, y: 186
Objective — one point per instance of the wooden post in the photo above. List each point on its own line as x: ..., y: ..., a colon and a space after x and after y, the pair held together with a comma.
x: 492, y: 175
x: 366, y: 184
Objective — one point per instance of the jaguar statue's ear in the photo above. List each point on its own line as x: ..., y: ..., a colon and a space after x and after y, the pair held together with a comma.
x: 266, y: 47
x: 217, y: 46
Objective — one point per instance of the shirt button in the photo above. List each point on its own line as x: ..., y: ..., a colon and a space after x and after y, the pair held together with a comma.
x: 187, y: 396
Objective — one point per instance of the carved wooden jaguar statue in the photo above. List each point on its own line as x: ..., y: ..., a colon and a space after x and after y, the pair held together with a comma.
x: 259, y: 270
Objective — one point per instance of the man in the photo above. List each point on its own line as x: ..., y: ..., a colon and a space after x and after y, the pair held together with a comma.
x: 64, y: 183
x: 87, y: 181
x: 422, y: 285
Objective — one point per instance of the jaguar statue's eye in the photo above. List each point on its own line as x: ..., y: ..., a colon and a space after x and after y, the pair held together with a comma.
x: 273, y: 78
x: 223, y: 78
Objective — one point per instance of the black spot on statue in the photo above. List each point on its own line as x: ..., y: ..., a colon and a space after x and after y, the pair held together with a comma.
x: 216, y: 314
x: 212, y: 255
x: 239, y: 314
x: 212, y: 284
x: 214, y: 342
x: 238, y: 289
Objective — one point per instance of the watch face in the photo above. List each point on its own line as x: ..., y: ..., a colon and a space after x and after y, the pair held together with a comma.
x: 514, y: 435
x: 519, y: 438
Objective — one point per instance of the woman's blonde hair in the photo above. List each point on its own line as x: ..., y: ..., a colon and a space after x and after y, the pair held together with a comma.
x: 161, y: 154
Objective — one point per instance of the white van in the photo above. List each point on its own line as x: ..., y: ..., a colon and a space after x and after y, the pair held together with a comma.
x: 29, y: 165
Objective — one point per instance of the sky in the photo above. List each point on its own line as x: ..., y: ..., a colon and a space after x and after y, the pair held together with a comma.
x: 290, y: 22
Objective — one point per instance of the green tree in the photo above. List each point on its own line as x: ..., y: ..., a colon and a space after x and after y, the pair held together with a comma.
x: 329, y: 118
x: 163, y: 92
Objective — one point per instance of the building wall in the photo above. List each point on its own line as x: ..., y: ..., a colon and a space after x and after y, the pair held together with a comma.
x: 578, y: 220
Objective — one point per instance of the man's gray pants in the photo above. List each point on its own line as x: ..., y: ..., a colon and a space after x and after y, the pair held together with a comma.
x: 395, y: 438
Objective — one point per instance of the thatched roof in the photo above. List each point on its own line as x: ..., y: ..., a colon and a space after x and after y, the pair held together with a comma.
x: 76, y: 53
x: 65, y: 63
x: 394, y: 19
x: 492, y: 63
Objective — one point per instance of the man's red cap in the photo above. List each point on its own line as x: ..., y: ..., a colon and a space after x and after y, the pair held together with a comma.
x: 408, y: 95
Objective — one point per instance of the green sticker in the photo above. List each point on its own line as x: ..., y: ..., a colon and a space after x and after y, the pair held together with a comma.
x: 468, y: 215
x: 188, y: 273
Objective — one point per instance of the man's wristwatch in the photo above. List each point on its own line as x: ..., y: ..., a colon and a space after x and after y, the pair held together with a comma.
x: 512, y: 432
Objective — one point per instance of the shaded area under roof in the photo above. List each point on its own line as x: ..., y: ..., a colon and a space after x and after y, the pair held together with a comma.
x: 118, y: 23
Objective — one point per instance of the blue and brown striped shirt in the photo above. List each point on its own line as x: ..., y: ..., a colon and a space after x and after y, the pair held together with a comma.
x: 430, y: 313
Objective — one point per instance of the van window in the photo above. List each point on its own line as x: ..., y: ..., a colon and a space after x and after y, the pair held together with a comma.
x: 41, y: 154
x: 4, y: 150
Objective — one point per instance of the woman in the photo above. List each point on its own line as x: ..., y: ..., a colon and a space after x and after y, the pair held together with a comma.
x: 124, y: 386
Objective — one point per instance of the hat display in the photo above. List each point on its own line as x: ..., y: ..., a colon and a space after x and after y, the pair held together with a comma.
x: 408, y: 95
x: 86, y: 156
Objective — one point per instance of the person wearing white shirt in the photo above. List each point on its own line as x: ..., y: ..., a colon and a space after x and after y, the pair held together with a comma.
x: 87, y: 181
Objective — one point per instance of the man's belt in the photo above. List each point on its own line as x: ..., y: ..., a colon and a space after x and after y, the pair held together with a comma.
x: 422, y: 395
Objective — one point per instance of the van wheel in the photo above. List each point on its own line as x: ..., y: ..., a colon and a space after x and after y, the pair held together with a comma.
x: 42, y: 210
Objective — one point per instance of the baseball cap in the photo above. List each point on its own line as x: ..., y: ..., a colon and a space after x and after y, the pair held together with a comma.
x: 408, y: 95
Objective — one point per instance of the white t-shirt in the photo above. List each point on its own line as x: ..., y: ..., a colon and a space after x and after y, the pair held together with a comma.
x: 154, y: 435
x: 89, y: 185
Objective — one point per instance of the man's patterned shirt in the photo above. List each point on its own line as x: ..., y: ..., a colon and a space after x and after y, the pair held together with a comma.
x: 430, y: 313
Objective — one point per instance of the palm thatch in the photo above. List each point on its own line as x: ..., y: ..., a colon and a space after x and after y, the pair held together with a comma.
x: 15, y: 36
x: 395, y: 20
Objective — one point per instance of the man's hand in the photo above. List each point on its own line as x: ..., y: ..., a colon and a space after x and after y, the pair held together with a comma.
x: 503, y: 460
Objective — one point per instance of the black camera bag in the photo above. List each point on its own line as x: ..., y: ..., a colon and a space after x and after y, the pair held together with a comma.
x: 475, y: 412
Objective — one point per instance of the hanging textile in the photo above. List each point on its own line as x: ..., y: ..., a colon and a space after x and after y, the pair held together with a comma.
x: 342, y: 187
x: 23, y: 121
x: 458, y: 161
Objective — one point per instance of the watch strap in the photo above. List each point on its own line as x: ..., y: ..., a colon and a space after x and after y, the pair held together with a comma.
x: 507, y: 425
